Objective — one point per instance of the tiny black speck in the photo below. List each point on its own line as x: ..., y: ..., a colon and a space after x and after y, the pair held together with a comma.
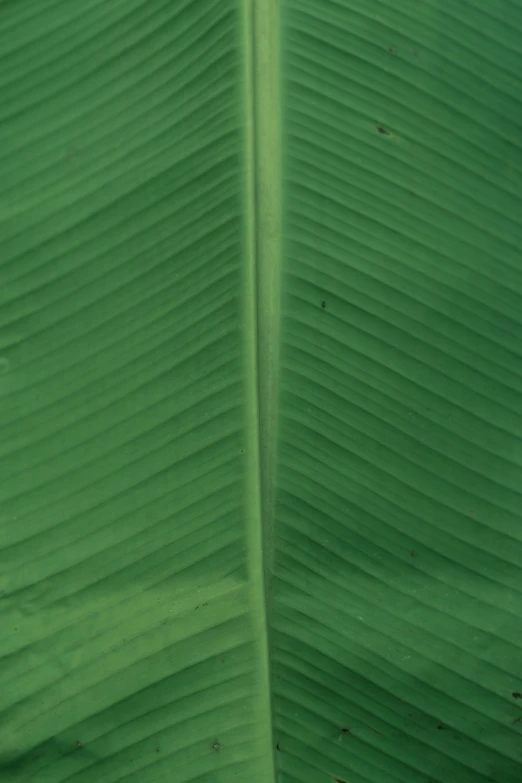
x: 323, y: 305
x: 383, y: 130
x: 517, y: 695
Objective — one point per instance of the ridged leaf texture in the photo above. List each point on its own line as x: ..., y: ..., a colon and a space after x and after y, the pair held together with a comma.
x: 260, y: 340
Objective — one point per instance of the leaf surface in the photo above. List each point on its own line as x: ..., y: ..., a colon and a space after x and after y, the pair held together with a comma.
x: 260, y: 395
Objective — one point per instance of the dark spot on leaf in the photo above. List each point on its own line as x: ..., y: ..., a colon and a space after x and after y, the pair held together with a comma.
x: 323, y: 305
x: 375, y: 731
x: 440, y: 727
x: 78, y: 744
x: 382, y: 130
x: 392, y: 49
x: 277, y: 746
x: 517, y: 695
x: 216, y: 745
x: 339, y: 780
x: 412, y: 553
x: 346, y: 731
x: 518, y: 720
x: 157, y: 748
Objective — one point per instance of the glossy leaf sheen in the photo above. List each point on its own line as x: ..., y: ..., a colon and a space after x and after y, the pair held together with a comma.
x: 260, y: 339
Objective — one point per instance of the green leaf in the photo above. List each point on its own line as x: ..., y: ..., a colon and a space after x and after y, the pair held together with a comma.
x: 260, y: 343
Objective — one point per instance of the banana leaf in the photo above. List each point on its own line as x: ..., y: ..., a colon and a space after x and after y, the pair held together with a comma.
x: 260, y: 354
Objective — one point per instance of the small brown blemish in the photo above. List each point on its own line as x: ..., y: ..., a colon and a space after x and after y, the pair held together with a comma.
x: 375, y: 730
x: 71, y: 154
x: 339, y: 780
x: 216, y: 746
x: 384, y: 131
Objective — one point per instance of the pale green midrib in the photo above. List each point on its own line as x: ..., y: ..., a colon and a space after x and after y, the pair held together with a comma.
x: 262, y: 316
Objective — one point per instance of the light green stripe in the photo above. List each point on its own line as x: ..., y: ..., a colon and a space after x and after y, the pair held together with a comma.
x: 262, y: 315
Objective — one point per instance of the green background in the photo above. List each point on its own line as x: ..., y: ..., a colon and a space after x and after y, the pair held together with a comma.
x: 260, y: 339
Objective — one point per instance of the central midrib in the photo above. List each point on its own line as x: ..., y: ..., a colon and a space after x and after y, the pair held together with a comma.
x: 261, y: 307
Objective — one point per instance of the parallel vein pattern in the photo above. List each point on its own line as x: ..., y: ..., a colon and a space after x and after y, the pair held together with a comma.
x: 397, y: 640
x: 127, y: 644
x: 139, y: 206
